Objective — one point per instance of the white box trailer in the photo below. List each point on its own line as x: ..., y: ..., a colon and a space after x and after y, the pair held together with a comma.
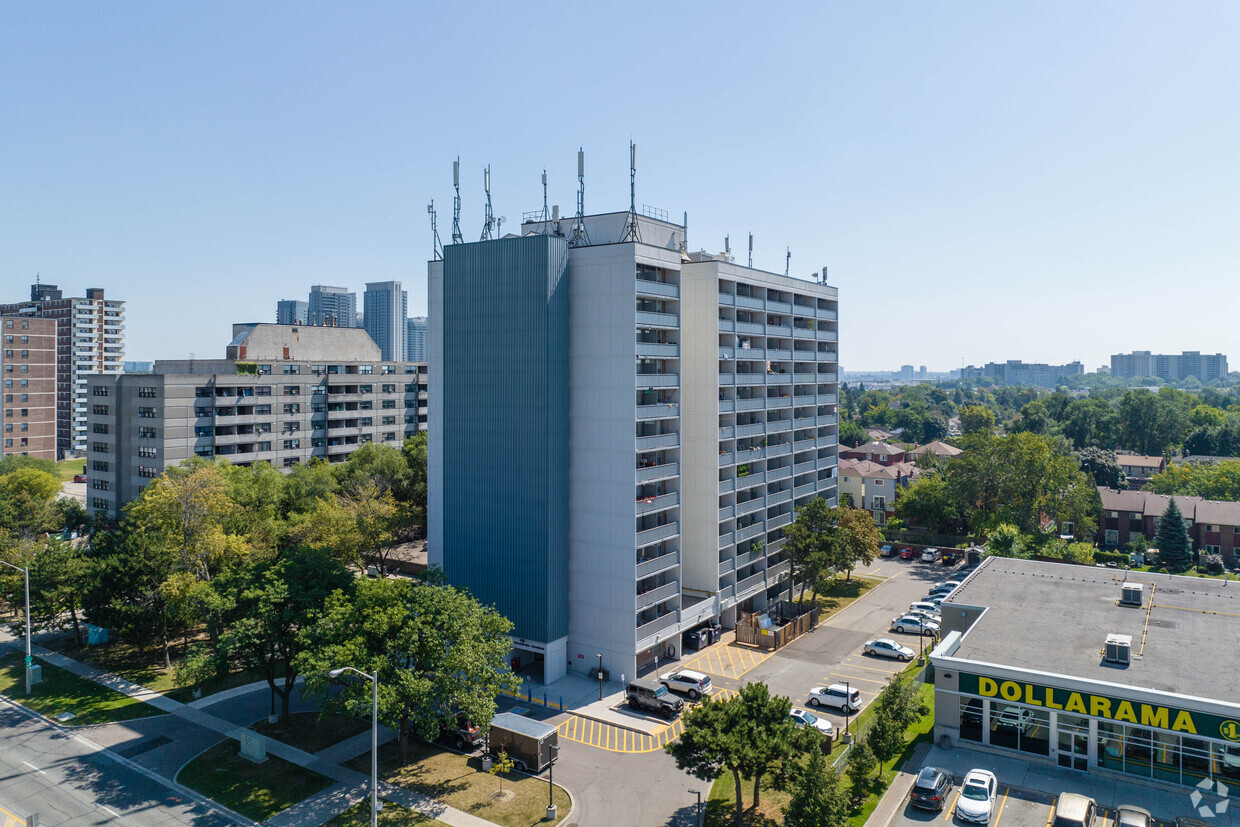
x: 526, y: 741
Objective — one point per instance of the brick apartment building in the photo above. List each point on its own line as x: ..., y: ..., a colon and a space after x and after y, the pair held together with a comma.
x: 28, y: 403
x: 1213, y: 525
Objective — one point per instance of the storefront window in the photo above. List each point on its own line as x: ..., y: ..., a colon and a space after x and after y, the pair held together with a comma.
x: 1021, y: 728
x: 1195, y: 761
x: 1139, y: 754
x: 1073, y: 746
x: 1167, y: 757
x: 971, y: 719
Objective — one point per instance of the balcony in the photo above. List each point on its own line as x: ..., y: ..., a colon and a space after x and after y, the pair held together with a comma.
x: 750, y: 584
x: 726, y: 405
x: 750, y: 378
x: 779, y: 497
x: 829, y: 315
x: 777, y: 474
x: 726, y: 566
x: 775, y: 572
x: 828, y: 336
x: 781, y: 401
x: 727, y: 540
x: 727, y: 592
x: 750, y: 506
x: 650, y: 443
x: 773, y: 306
x: 657, y: 288
x: 663, y: 562
x: 778, y: 355
x: 805, y: 467
x: 654, y: 627
x: 808, y: 488
x: 657, y: 595
x: 779, y: 521
x: 751, y: 531
x: 648, y: 505
x: 750, y: 302
x: 653, y: 535
x: 752, y: 429
x: 726, y: 325
x: 726, y: 485
x: 726, y: 458
x: 727, y: 379
x: 658, y: 350
x: 727, y: 299
x: 828, y: 419
x: 751, y: 328
x: 651, y: 473
x: 777, y: 426
x: 727, y: 432
x: 779, y: 450
x: 749, y: 558
x: 658, y: 380
x: 646, y: 318
x: 781, y: 331
x: 727, y: 512
x: 666, y: 410
x: 747, y: 481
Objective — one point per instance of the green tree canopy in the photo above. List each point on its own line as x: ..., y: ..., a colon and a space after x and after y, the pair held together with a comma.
x: 927, y: 503
x: 976, y: 419
x: 1174, y: 545
x: 817, y: 800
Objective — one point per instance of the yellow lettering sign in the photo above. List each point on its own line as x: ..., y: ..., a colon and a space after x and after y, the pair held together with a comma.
x: 1156, y: 716
x: 1010, y: 691
x: 1099, y: 707
x: 1125, y: 712
x: 987, y: 687
x: 1050, y: 699
x: 1184, y: 723
x: 1076, y: 704
x: 1029, y: 699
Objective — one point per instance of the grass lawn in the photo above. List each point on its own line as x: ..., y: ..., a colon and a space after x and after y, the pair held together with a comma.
x: 257, y: 791
x: 63, y: 691
x: 392, y: 815
x: 458, y: 781
x: 311, y: 732
x: 68, y: 467
x: 841, y: 592
x: 145, y: 666
x: 721, y: 802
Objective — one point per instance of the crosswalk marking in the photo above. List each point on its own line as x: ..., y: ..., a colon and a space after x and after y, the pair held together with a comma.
x: 730, y: 661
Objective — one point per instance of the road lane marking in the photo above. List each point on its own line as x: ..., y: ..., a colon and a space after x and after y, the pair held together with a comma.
x: 1051, y: 814
x: 109, y: 810
x: 947, y: 815
x: 856, y: 678
x: 33, y: 767
x: 871, y: 668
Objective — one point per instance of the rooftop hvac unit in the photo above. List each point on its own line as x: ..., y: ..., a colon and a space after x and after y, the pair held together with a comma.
x: 1118, y: 649
x: 1132, y: 594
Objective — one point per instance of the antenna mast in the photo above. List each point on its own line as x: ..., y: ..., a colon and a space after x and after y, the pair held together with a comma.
x: 751, y: 251
x: 546, y: 216
x: 787, y: 260
x: 580, y: 237
x: 457, y: 238
x: 489, y: 219
x: 630, y: 229
x: 684, y: 238
x: 438, y: 251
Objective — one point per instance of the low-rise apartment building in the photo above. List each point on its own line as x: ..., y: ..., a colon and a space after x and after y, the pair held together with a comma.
x: 28, y: 403
x: 1213, y: 525
x: 284, y: 394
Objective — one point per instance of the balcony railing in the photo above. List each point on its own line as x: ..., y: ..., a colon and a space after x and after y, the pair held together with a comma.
x: 648, y: 505
x: 656, y: 596
x: 664, y: 410
x: 646, y: 568
x: 646, y: 318
x: 658, y: 350
x: 658, y: 380
x: 653, y: 535
x: 657, y: 472
x: 654, y: 627
x: 657, y: 288
x: 649, y: 443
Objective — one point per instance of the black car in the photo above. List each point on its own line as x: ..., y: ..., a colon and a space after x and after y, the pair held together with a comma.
x: 931, y: 788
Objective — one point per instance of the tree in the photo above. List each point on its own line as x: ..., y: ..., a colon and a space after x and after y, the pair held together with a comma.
x: 1220, y: 481
x: 857, y: 541
x: 186, y: 507
x: 1005, y: 540
x: 382, y: 465
x: 357, y: 526
x: 275, y: 601
x: 817, y: 800
x: 852, y: 434
x: 861, y: 766
x: 746, y: 734
x: 27, y: 502
x: 258, y: 492
x: 12, y: 462
x: 927, y: 503
x: 1174, y: 546
x: 414, y: 450
x: 437, y: 652
x: 810, y: 544
x: 58, y: 578
x: 1034, y: 418
x: 975, y: 419
x: 1103, y: 467
x: 308, y: 483
x: 896, y: 708
x: 501, y: 765
x: 885, y: 737
x: 122, y: 590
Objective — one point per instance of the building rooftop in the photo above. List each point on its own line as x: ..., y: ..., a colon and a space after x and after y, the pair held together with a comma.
x: 1054, y: 618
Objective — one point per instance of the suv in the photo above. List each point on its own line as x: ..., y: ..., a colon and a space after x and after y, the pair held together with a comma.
x: 465, y: 735
x: 838, y: 695
x: 693, y: 684
x: 931, y: 788
x: 653, y: 697
x: 931, y: 555
x: 1072, y: 810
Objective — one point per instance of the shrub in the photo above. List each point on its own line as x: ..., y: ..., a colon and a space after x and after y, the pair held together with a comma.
x: 1212, y: 563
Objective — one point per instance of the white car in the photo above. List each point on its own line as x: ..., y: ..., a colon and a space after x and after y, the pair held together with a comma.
x: 837, y: 695
x: 932, y: 617
x: 888, y: 648
x: 935, y: 600
x: 930, y: 608
x: 693, y: 684
x: 950, y: 583
x: 976, y: 801
x: 931, y: 555
x: 809, y: 719
x: 914, y: 625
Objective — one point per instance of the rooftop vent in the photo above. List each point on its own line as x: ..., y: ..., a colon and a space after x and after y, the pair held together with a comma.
x: 1118, y: 649
x: 1132, y: 594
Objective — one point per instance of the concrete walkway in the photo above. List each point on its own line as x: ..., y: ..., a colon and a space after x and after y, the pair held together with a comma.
x: 350, y: 788
x: 893, y: 800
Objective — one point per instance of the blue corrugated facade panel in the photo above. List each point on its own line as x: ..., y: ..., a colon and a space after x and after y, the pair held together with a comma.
x: 505, y: 329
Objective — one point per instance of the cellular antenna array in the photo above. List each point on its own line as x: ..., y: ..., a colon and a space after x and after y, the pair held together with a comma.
x: 488, y: 220
x: 457, y: 238
x: 580, y: 237
x: 546, y: 216
x: 630, y: 229
x: 751, y: 251
x: 438, y: 251
x: 787, y: 260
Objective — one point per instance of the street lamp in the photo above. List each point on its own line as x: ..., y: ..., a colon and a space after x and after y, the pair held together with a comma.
x: 600, y: 676
x: 698, y: 793
x: 847, y: 712
x: 374, y: 738
x: 551, y: 813
x: 29, y: 660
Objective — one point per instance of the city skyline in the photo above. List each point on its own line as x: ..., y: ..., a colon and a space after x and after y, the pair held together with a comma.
x: 1008, y: 167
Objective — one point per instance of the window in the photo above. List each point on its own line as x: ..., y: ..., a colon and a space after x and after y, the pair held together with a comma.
x: 147, y: 471
x: 292, y: 390
x: 148, y: 452
x: 99, y: 485
x: 292, y: 444
x: 388, y: 420
x: 387, y: 369
x: 146, y: 413
x: 25, y: 397
x: 203, y: 430
x: 99, y: 447
x: 8, y: 426
x: 262, y: 428
x: 146, y: 392
x: 877, y: 482
x: 1213, y: 549
x: 264, y: 370
x: 388, y: 404
x: 1020, y: 727
x: 8, y: 443
x: 365, y: 388
x: 365, y: 369
x: 1114, y: 515
x: 262, y: 410
x: 146, y: 432
x: 318, y: 407
x: 292, y: 370
x: 25, y: 354
x: 201, y: 392
x: 289, y: 462
x: 292, y: 408
x: 8, y: 383
x: 318, y: 370
x: 388, y: 388
x: 99, y: 428
x: 366, y: 406
x: 389, y: 435
x: 205, y: 451
x: 204, y: 411
x: 365, y: 421
x: 264, y: 446
x: 1211, y: 527
x: 1112, y: 537
x: 98, y: 503
x: 262, y: 390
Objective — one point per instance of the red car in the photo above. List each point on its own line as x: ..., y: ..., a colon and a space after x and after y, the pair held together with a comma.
x: 908, y: 554
x: 79, y: 478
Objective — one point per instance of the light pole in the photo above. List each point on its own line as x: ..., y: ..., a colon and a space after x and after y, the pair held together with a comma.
x: 698, y: 793
x: 374, y: 738
x: 29, y: 660
x: 551, y: 813
x: 600, y: 676
x: 847, y: 712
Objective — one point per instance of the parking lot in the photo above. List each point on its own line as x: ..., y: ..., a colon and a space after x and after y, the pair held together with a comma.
x: 1013, y: 807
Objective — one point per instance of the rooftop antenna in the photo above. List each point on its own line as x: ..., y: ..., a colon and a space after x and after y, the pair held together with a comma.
x: 580, y: 237
x: 546, y: 216
x: 824, y: 275
x: 499, y: 226
x: 630, y: 229
x: 684, y: 238
x: 438, y: 252
x: 457, y: 238
x: 787, y: 260
x: 489, y: 219
x: 751, y: 251
x: 727, y: 245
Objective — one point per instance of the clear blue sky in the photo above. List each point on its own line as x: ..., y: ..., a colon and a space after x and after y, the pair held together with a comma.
x: 1042, y: 181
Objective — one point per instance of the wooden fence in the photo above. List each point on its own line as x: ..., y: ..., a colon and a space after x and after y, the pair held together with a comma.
x: 750, y: 632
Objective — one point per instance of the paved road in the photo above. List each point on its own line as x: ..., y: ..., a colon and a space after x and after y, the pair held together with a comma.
x: 67, y: 782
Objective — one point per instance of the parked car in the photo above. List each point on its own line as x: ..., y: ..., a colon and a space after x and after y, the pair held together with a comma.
x: 1127, y: 815
x: 951, y: 558
x: 649, y: 696
x: 947, y: 584
x: 886, y: 551
x: 929, y: 617
x: 935, y: 599
x: 465, y: 735
x: 913, y: 625
x: 693, y: 684
x: 887, y: 648
x: 79, y: 478
x: 837, y: 695
x: 942, y: 591
x: 976, y: 801
x: 1017, y: 717
x: 925, y: 606
x: 931, y: 555
x: 817, y: 722
x: 931, y: 789
x: 1072, y: 810
x: 908, y: 554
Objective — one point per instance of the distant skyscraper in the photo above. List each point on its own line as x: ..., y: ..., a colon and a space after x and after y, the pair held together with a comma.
x: 415, y: 340
x: 1169, y: 366
x: 385, y: 315
x: 332, y: 306
x: 291, y: 311
x: 906, y: 371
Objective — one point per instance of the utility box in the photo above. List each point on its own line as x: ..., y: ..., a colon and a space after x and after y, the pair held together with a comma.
x: 36, y: 674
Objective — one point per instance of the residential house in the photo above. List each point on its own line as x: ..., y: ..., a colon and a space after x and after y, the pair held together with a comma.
x: 1213, y: 525
x: 1139, y: 469
x: 879, y: 452
x: 939, y: 449
x: 874, y: 486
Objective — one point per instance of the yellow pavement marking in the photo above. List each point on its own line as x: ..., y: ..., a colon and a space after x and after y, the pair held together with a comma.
x: 12, y: 820
x: 1051, y: 814
x: 615, y: 738
x: 999, y: 814
x: 871, y: 668
x: 947, y: 811
x: 727, y: 661
x: 857, y: 678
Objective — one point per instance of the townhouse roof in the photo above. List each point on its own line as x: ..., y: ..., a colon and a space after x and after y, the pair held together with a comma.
x: 877, y: 448
x: 1217, y: 512
x: 937, y: 448
x: 1138, y: 461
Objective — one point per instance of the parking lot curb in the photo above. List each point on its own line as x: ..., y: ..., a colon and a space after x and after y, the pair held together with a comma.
x: 890, y: 803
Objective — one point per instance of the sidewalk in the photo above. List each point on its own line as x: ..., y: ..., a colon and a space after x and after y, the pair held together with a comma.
x: 314, y: 810
x: 893, y: 800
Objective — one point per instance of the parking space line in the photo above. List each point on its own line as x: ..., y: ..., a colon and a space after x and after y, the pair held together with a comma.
x: 947, y: 813
x: 870, y: 668
x: 999, y: 813
x: 856, y: 678
x: 1051, y: 814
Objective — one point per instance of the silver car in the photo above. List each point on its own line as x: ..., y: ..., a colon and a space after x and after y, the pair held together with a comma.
x: 914, y: 625
x: 887, y: 648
